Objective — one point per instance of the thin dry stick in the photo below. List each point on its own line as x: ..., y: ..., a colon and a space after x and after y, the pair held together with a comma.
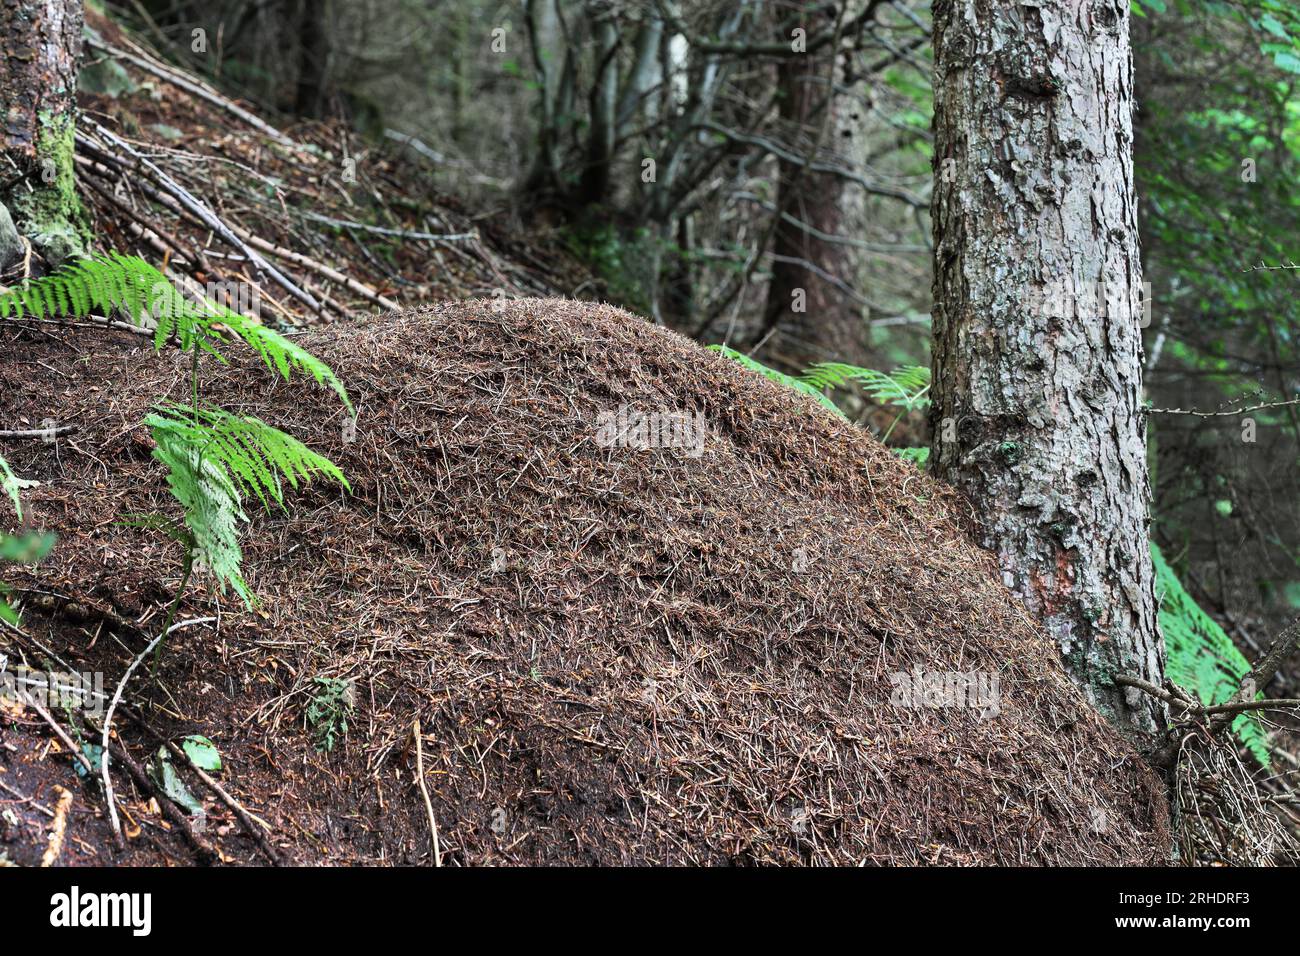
x: 245, y: 818
x: 1195, y: 708
x: 1224, y: 414
x: 428, y: 804
x: 108, y: 720
x: 60, y: 733
x: 1265, y: 667
x: 60, y: 826
x: 178, y: 817
x: 297, y: 258
x: 50, y: 432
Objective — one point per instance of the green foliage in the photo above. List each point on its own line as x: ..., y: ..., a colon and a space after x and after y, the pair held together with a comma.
x: 780, y: 377
x: 106, y: 283
x: 328, y: 712
x: 1202, y: 658
x: 906, y: 387
x: 212, y: 459
x: 203, y: 753
x: 11, y: 484
x: 23, y: 548
x: 621, y: 260
x: 131, y: 286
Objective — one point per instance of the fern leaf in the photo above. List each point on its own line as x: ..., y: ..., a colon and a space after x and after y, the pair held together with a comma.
x: 906, y: 386
x: 251, y: 453
x: 131, y: 286
x: 282, y: 355
x: 212, y: 507
x: 1201, y: 657
x: 790, y: 381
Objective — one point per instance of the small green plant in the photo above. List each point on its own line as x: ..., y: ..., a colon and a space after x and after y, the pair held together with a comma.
x: 328, y: 712
x: 214, y: 458
x: 906, y: 387
x: 26, y: 548
x: 617, y: 258
x: 1201, y: 657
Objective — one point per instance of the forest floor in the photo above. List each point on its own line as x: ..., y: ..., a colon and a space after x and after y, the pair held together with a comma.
x: 614, y: 654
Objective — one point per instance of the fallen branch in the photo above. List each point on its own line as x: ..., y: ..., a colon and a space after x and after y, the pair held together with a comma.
x: 245, y: 818
x: 206, y: 216
x: 385, y: 231
x: 25, y: 433
x: 178, y: 817
x: 1187, y: 705
x: 428, y: 804
x: 60, y: 828
x: 1221, y: 715
x: 164, y: 73
x: 1265, y: 667
x: 319, y: 268
x: 108, y: 719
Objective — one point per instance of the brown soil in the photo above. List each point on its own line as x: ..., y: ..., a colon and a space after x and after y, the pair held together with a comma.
x: 610, y: 650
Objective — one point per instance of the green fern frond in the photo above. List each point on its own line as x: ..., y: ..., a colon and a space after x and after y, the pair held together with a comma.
x: 111, y: 282
x: 1201, y: 657
x: 131, y: 286
x: 282, y: 355
x: 213, y: 458
x: 251, y: 453
x: 211, y: 504
x: 780, y: 377
x: 907, y: 386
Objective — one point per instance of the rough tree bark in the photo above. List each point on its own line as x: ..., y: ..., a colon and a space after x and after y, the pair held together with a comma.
x: 40, y: 41
x: 1037, y: 318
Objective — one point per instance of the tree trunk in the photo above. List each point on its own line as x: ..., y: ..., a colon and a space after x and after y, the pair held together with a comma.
x: 594, y: 186
x: 555, y: 81
x: 814, y: 319
x: 40, y: 41
x: 313, y: 60
x: 1037, y: 388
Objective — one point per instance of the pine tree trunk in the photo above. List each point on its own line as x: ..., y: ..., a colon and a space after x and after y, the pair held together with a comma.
x: 40, y: 41
x: 1037, y: 323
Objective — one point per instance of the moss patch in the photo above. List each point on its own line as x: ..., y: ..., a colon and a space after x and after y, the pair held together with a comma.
x: 50, y: 213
